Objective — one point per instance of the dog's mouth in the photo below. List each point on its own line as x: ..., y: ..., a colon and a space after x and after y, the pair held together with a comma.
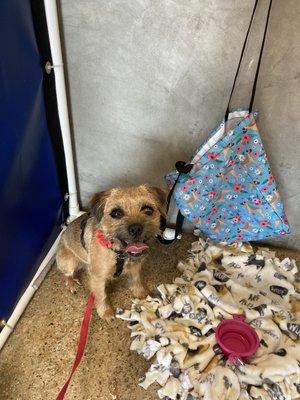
x: 135, y: 249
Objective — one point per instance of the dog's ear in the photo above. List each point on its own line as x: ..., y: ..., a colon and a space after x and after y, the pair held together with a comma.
x: 160, y: 196
x: 97, y: 205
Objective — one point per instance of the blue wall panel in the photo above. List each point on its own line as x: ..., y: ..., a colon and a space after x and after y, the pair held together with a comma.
x: 30, y: 193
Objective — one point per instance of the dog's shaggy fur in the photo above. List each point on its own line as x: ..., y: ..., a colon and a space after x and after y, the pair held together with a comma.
x: 125, y: 216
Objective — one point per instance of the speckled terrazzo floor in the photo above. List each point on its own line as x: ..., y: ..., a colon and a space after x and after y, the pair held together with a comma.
x: 36, y: 360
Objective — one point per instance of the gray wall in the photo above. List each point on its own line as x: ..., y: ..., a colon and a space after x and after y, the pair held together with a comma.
x: 149, y: 79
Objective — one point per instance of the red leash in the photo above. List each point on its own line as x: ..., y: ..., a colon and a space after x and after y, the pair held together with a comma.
x: 84, y: 330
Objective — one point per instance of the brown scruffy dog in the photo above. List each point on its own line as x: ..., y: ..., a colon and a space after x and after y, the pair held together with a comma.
x: 114, y: 236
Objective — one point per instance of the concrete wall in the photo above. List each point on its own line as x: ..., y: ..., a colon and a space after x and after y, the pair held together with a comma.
x: 149, y: 79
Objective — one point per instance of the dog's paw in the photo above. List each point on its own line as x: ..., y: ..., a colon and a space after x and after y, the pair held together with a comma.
x: 106, y: 313
x: 140, y: 292
x: 72, y: 284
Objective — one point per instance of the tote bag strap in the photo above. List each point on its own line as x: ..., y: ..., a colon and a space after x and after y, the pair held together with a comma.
x: 242, y: 56
x: 181, y: 166
x: 260, y: 57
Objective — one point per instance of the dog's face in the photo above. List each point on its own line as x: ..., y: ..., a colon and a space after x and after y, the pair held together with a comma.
x: 130, y: 217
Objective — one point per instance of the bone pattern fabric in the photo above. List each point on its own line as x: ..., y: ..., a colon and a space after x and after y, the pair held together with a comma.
x: 176, y: 329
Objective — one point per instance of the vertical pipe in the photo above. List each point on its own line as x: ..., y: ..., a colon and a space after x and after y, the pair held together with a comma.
x: 57, y: 61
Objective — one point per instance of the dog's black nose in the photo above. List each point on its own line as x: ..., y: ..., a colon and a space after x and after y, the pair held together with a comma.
x: 135, y: 230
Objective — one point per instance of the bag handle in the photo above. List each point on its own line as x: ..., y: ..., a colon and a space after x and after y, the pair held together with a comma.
x: 182, y: 168
x: 260, y: 57
x: 242, y: 56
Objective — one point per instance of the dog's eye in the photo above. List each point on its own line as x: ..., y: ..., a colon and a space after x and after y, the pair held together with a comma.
x: 117, y: 213
x: 147, y: 210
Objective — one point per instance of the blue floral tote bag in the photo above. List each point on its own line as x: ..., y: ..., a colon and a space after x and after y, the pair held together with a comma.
x: 230, y: 193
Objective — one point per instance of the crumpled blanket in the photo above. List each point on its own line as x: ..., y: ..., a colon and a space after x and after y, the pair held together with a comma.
x: 176, y: 329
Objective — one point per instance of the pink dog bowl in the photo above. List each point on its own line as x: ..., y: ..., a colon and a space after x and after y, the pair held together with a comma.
x: 237, y: 339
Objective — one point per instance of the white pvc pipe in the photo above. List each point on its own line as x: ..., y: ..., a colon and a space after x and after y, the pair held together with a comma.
x: 57, y: 60
x: 29, y: 292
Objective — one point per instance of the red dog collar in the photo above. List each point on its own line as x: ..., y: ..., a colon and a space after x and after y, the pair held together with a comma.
x: 101, y: 239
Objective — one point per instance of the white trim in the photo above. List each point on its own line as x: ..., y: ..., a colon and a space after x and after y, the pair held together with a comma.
x: 29, y: 292
x: 57, y: 61
x: 218, y: 135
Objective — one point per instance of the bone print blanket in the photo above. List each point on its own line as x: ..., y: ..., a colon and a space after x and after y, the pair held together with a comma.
x: 176, y: 329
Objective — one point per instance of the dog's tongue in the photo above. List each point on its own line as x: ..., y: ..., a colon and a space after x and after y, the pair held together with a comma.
x: 136, y: 248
